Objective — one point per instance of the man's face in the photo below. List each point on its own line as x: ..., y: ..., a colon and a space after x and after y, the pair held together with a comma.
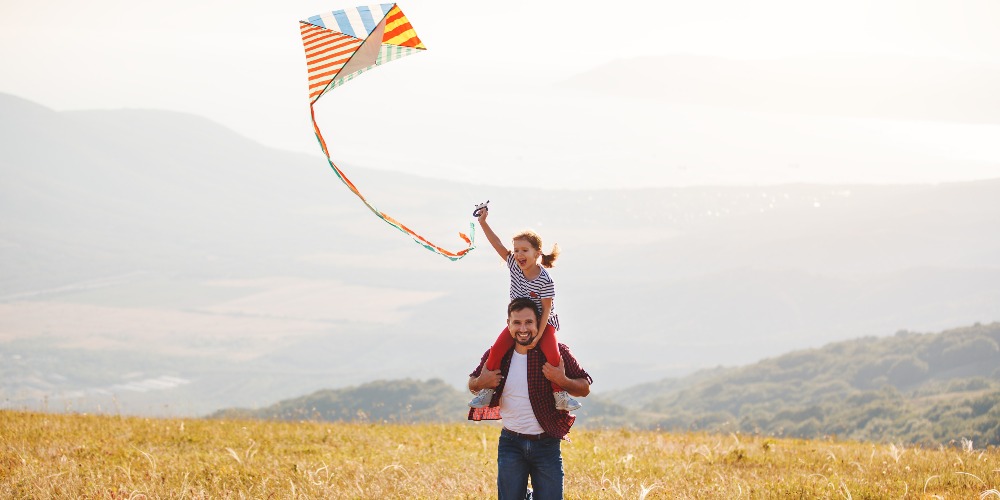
x: 523, y: 326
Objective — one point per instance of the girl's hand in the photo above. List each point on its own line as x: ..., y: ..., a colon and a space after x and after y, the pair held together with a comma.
x: 495, y: 241
x: 538, y: 338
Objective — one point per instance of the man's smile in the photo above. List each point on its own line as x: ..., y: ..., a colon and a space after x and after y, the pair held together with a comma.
x: 524, y: 337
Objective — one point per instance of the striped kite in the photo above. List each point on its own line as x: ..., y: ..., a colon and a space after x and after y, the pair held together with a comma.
x: 342, y: 44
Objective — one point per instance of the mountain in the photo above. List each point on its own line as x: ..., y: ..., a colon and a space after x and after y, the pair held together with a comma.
x: 397, y: 401
x: 156, y: 262
x: 923, y: 388
x: 917, y: 388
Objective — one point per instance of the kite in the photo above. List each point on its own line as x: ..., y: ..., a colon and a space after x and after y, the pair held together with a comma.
x: 342, y: 44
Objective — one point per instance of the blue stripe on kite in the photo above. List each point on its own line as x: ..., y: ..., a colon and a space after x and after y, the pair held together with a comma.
x: 386, y: 7
x: 345, y: 24
x: 366, y: 18
x: 316, y: 20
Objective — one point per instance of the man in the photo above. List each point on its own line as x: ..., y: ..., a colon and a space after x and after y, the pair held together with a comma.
x: 533, y: 428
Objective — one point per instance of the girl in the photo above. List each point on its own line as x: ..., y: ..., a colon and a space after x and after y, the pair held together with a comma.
x: 527, y: 279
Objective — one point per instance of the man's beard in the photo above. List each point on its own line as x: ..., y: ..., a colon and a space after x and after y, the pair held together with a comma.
x: 528, y: 341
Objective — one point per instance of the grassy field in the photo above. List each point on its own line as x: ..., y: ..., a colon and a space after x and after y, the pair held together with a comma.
x: 86, y: 456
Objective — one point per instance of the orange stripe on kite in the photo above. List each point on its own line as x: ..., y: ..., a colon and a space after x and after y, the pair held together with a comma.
x: 326, y: 35
x: 400, y: 30
x: 309, y: 29
x: 339, y: 43
x: 338, y: 63
x: 335, y: 43
x: 309, y: 36
x: 328, y: 73
x: 338, y: 53
x: 394, y: 14
x: 304, y: 26
x: 312, y: 38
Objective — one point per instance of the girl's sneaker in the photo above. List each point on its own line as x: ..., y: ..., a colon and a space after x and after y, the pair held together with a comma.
x: 565, y: 402
x: 482, y: 399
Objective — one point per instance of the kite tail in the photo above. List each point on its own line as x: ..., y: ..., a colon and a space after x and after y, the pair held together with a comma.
x: 469, y: 240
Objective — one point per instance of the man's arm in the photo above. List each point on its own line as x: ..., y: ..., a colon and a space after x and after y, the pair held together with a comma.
x: 487, y: 379
x: 577, y: 387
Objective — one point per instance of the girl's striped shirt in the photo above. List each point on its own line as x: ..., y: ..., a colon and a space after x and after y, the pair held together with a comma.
x: 542, y: 287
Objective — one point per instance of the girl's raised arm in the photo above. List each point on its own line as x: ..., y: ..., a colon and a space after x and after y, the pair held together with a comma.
x: 490, y: 235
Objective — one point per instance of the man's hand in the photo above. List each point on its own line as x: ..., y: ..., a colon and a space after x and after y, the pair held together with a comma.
x: 576, y: 387
x: 555, y: 374
x: 487, y: 379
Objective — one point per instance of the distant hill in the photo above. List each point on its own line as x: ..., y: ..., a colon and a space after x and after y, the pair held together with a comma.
x: 915, y: 388
x: 142, y: 246
x: 397, y: 401
x: 923, y: 388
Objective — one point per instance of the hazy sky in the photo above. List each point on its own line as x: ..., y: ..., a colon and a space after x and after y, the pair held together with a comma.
x: 242, y: 64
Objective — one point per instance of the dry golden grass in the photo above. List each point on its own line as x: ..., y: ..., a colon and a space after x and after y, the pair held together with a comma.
x: 80, y: 456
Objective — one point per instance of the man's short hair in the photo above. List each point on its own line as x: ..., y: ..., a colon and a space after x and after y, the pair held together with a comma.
x: 521, y: 303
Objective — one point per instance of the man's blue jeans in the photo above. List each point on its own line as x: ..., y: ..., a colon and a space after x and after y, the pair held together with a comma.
x: 518, y: 458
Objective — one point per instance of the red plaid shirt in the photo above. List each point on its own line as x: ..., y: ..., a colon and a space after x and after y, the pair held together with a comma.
x: 555, y: 423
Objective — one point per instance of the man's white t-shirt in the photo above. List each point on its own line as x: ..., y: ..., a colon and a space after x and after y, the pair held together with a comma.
x: 515, y: 406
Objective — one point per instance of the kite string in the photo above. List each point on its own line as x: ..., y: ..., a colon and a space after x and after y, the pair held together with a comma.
x: 469, y: 240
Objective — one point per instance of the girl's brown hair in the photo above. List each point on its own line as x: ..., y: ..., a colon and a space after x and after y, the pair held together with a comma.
x: 533, y: 239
